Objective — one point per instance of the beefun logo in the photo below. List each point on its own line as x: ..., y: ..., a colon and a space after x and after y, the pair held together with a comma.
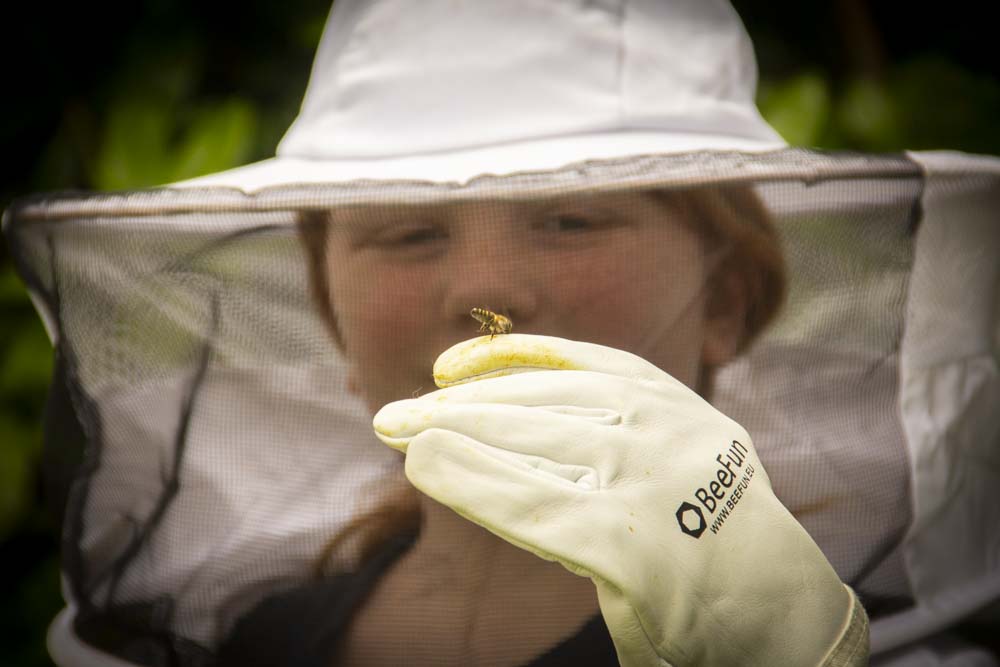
x: 723, y: 492
x: 690, y: 519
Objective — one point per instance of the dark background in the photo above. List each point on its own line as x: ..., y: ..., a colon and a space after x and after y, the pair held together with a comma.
x: 116, y: 95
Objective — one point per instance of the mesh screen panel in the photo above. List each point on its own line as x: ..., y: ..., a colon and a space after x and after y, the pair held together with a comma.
x: 224, y: 396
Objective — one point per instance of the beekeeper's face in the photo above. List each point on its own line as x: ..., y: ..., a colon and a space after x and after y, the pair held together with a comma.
x: 622, y: 270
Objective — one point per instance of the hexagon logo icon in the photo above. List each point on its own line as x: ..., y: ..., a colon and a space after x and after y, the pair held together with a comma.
x: 690, y: 519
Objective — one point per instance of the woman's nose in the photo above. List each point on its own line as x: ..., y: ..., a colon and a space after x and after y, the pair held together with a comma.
x: 493, y: 278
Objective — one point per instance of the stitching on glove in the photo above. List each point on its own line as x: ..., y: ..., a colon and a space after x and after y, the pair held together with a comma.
x: 852, y: 648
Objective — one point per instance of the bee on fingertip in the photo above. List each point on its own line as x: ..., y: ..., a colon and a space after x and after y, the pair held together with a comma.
x: 493, y: 323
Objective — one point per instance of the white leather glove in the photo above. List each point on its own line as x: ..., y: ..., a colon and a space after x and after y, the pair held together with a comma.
x: 595, y: 458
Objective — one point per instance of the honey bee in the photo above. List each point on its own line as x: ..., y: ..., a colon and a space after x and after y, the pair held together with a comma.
x: 492, y: 322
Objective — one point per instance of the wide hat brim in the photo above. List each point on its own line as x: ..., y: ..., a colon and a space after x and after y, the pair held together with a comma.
x: 285, y: 185
x: 458, y: 167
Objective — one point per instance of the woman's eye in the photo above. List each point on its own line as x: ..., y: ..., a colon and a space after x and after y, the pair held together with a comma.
x: 567, y: 223
x: 411, y: 237
x: 418, y: 236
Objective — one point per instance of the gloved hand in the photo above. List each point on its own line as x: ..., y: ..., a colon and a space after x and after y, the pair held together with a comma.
x: 595, y: 458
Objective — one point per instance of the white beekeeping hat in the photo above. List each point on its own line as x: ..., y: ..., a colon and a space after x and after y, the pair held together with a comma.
x: 521, y: 87
x: 223, y: 447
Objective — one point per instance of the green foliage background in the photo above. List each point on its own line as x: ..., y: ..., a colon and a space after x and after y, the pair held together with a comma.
x: 126, y: 95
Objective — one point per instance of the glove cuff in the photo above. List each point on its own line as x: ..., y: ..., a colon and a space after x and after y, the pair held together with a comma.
x: 852, y: 647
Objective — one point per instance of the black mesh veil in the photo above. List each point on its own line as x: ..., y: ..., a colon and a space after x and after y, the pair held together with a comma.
x: 213, y: 415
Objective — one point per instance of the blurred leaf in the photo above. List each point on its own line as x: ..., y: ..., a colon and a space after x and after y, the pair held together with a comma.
x: 58, y: 167
x: 12, y: 290
x: 133, y: 149
x: 63, y: 163
x: 161, y: 66
x: 17, y: 457
x: 26, y: 366
x: 309, y: 32
x: 271, y: 127
x: 219, y: 137
x: 943, y: 105
x: 798, y: 108
x: 866, y: 114
x: 145, y: 144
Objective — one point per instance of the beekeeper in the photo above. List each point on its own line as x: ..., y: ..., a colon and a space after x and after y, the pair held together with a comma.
x: 666, y: 462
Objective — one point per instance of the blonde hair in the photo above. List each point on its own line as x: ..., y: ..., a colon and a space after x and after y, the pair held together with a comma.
x: 732, y: 219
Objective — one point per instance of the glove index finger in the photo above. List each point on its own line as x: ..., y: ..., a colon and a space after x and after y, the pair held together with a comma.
x: 483, y: 357
x: 487, y: 357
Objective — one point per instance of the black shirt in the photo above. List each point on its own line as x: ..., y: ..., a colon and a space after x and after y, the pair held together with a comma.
x: 303, y: 627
